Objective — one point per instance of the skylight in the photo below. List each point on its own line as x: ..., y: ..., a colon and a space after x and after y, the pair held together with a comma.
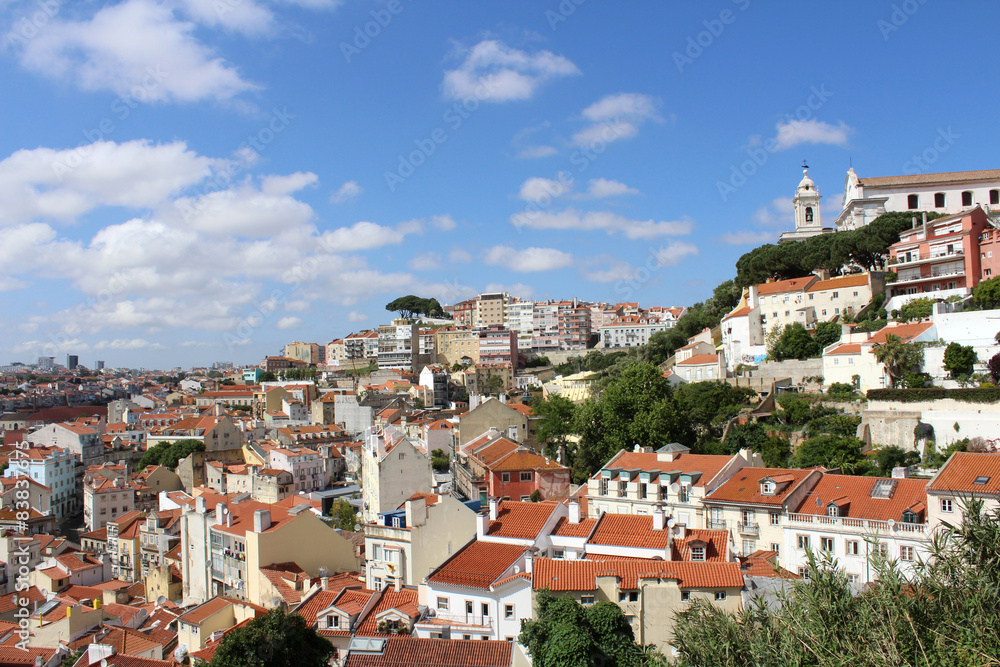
x: 883, y: 488
x: 982, y: 480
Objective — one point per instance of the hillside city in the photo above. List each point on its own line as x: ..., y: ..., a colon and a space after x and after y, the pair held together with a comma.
x: 447, y: 474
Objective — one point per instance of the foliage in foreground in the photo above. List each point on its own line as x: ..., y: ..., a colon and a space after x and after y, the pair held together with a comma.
x: 948, y: 613
x: 167, y: 454
x: 276, y: 639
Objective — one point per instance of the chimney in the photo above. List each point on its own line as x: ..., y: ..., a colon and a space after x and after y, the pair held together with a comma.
x: 914, y: 222
x: 483, y: 527
x: 199, y: 505
x: 220, y: 514
x: 528, y: 561
x: 574, y: 511
x: 658, y: 518
x: 261, y: 520
x: 494, y: 508
x: 397, y: 583
x: 900, y: 472
x: 324, y: 579
x: 416, y: 512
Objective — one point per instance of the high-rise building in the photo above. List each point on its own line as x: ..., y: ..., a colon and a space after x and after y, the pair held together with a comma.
x: 46, y: 363
x: 99, y: 365
x: 72, y: 361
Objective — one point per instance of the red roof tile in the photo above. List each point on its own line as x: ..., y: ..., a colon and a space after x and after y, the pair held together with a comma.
x: 566, y: 529
x: 581, y: 575
x: 961, y: 471
x: 744, y: 486
x: 854, y: 495
x: 629, y: 530
x: 410, y: 652
x: 478, y: 564
x: 699, y: 359
x: 520, y: 520
x: 708, y: 465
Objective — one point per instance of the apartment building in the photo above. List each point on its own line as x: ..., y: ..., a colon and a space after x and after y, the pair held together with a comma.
x: 520, y: 320
x: 965, y: 475
x: 574, y: 325
x: 82, y: 441
x: 491, y: 309
x: 53, y: 468
x: 398, y: 346
x: 393, y: 468
x: 456, y: 345
x: 498, y: 345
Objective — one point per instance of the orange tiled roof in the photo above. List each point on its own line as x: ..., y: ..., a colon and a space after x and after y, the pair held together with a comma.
x: 478, y: 564
x: 761, y: 563
x: 566, y: 529
x: 962, y: 470
x: 581, y: 575
x: 905, y: 331
x: 846, y: 348
x: 840, y: 282
x: 853, y: 496
x: 520, y: 520
x: 405, y: 601
x: 409, y: 651
x: 716, y: 544
x: 744, y: 486
x: 629, y: 530
x: 523, y: 459
x: 792, y: 285
x: 708, y: 465
x: 700, y: 359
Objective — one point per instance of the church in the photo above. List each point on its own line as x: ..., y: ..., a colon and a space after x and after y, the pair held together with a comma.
x: 807, y: 211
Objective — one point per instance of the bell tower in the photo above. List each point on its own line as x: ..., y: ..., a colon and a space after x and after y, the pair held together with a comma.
x: 806, y: 203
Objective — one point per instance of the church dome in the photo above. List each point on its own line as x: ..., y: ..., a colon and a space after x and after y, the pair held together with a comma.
x: 806, y: 183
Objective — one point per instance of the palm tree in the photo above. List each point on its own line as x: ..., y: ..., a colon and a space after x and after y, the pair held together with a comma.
x: 898, y: 357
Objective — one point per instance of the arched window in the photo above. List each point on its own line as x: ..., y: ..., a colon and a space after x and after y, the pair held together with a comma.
x: 939, y: 200
x: 967, y: 198
x: 911, y: 202
x: 809, y: 214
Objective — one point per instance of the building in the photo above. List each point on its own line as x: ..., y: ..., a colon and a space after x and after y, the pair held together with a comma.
x: 573, y: 321
x: 867, y: 198
x: 498, y: 345
x: 491, y: 309
x: 940, y: 257
x: 698, y: 361
x: 79, y: 439
x: 399, y: 346
x: 306, y: 352
x: 406, y: 544
x: 72, y: 361
x: 963, y: 476
x: 520, y: 320
x: 545, y: 323
x: 631, y: 330
x: 307, y: 470
x: 393, y: 468
x: 54, y: 469
x: 493, y: 466
x: 852, y: 360
x: 456, y: 345
x: 396, y: 652
x: 492, y: 413
x: 806, y: 204
x: 197, y: 626
x: 434, y: 379
x: 106, y: 500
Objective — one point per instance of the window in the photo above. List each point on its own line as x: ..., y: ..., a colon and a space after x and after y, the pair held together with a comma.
x: 775, y: 519
x: 377, y: 552
x: 995, y: 196
x: 803, y: 572
x: 558, y: 553
x: 946, y: 505
x: 468, y: 606
x: 939, y: 200
x: 853, y: 548
x: 905, y: 553
x: 880, y: 549
x: 333, y: 621
x: 505, y: 477
x: 853, y: 578
x: 526, y: 476
x: 586, y: 599
x: 684, y: 494
x: 776, y: 548
x: 749, y: 546
x: 802, y: 541
x: 604, y: 486
x: 836, y: 295
x: 832, y: 510
x: 486, y: 610
x: 401, y: 456
x: 967, y: 198
x: 697, y: 553
x: 622, y: 488
x: 767, y: 488
x: 685, y: 596
x: 720, y: 596
x: 442, y: 604
x: 911, y: 202
x: 826, y: 544
x: 378, y: 584
x: 747, y: 516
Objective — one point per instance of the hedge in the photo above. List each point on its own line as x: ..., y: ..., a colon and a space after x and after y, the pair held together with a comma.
x: 974, y: 395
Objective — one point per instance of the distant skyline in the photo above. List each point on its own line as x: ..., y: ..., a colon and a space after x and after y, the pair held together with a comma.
x: 185, y: 181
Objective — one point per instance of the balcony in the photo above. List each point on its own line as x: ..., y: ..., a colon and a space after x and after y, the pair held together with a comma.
x: 716, y: 524
x: 933, y: 274
x: 749, y: 529
x: 856, y: 526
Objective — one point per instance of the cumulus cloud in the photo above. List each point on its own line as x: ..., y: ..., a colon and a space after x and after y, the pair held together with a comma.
x: 356, y: 316
x: 538, y: 189
x: 285, y: 185
x: 286, y: 323
x: 426, y: 261
x: 459, y: 256
x: 139, y: 50
x: 492, y: 71
x: 748, y: 237
x: 601, y: 187
x: 527, y: 259
x: 443, y: 223
x: 366, y: 236
x: 348, y: 190
x: 606, y: 221
x: 673, y: 253
x: 616, y: 117
x: 794, y: 132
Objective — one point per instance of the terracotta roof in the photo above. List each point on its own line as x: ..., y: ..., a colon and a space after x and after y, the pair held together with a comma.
x: 581, y: 575
x: 520, y: 520
x: 961, y: 471
x: 905, y: 331
x: 699, y: 359
x: 524, y: 459
x: 744, y: 486
x: 856, y: 494
x: 629, y: 530
x: 410, y: 652
x: 792, y: 285
x: 716, y: 544
x: 840, y: 282
x: 323, y: 599
x: 846, y: 348
x: 204, y: 610
x: 745, y: 310
x: 762, y: 563
x: 921, y: 179
x: 11, y: 655
x: 405, y: 601
x: 708, y: 465
x: 566, y: 529
x: 478, y: 564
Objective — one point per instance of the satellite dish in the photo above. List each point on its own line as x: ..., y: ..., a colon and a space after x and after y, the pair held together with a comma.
x: 675, y: 488
x: 892, y: 523
x: 161, y: 600
x: 357, y: 528
x: 671, y: 522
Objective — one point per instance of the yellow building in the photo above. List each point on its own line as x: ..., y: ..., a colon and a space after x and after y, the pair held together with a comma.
x: 195, y: 627
x: 453, y: 344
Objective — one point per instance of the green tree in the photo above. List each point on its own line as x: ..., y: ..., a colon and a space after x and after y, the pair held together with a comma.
x: 708, y: 406
x: 773, y: 449
x: 898, y: 357
x: 268, y: 376
x: 959, y: 359
x: 827, y: 333
x: 343, y: 515
x: 795, y: 343
x: 557, y: 417
x: 275, y: 639
x: 439, y: 460
x: 917, y: 309
x: 168, y: 454
x: 829, y: 451
x: 987, y: 293
x: 636, y: 408
x: 410, y: 306
x: 891, y: 457
x: 993, y: 366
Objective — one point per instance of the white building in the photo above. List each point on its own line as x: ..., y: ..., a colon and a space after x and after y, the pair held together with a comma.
x: 80, y: 440
x: 393, y: 468
x: 867, y: 198
x: 632, y: 330
x: 307, y: 469
x: 105, y: 500
x: 520, y: 319
x: 807, y: 211
x: 53, y: 468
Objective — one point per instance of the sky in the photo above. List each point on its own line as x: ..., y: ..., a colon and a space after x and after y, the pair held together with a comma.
x: 191, y: 181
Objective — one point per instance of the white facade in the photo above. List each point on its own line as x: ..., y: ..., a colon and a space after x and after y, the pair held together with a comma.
x: 308, y: 471
x: 54, y: 468
x: 82, y: 441
x: 393, y: 468
x: 520, y: 319
x: 631, y: 331
x: 495, y: 614
x: 105, y: 500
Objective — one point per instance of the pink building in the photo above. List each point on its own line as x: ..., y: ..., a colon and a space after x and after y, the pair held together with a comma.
x: 498, y: 345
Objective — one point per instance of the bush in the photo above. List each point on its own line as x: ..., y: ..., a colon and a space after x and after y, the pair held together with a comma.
x: 841, y: 391
x: 971, y: 395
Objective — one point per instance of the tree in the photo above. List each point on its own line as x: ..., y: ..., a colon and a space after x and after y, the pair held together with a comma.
x: 439, y: 461
x: 556, y: 421
x: 993, y: 365
x: 829, y: 451
x: 773, y: 449
x: 567, y: 634
x: 636, y: 408
x: 708, y: 406
x: 795, y: 343
x: 168, y: 454
x: 827, y: 333
x: 891, y: 457
x: 916, y: 309
x: 898, y: 357
x: 987, y: 293
x: 410, y: 305
x: 268, y: 376
x: 275, y: 639
x: 214, y: 374
x: 959, y: 359
x: 343, y: 515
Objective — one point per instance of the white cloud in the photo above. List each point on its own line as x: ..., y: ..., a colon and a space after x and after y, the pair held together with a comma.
x: 197, y: 343
x: 538, y: 189
x: 366, y: 236
x: 285, y: 185
x: 297, y: 306
x: 495, y: 72
x: 600, y: 187
x: 527, y: 259
x: 616, y: 117
x: 127, y: 344
x: 795, y: 132
x: 136, y: 49
x: 779, y: 213
x: 535, y: 152
x: 286, y: 323
x: 459, y: 256
x: 520, y: 289
x: 445, y: 223
x: 426, y: 261
x: 243, y: 211
x: 612, y: 271
x: 356, y: 316
x: 62, y: 185
x: 673, y: 253
x: 314, y: 4
x: 243, y: 16
x: 571, y: 219
x: 748, y: 237
x: 348, y: 190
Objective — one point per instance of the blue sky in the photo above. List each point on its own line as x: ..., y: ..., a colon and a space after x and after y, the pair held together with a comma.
x: 189, y: 181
